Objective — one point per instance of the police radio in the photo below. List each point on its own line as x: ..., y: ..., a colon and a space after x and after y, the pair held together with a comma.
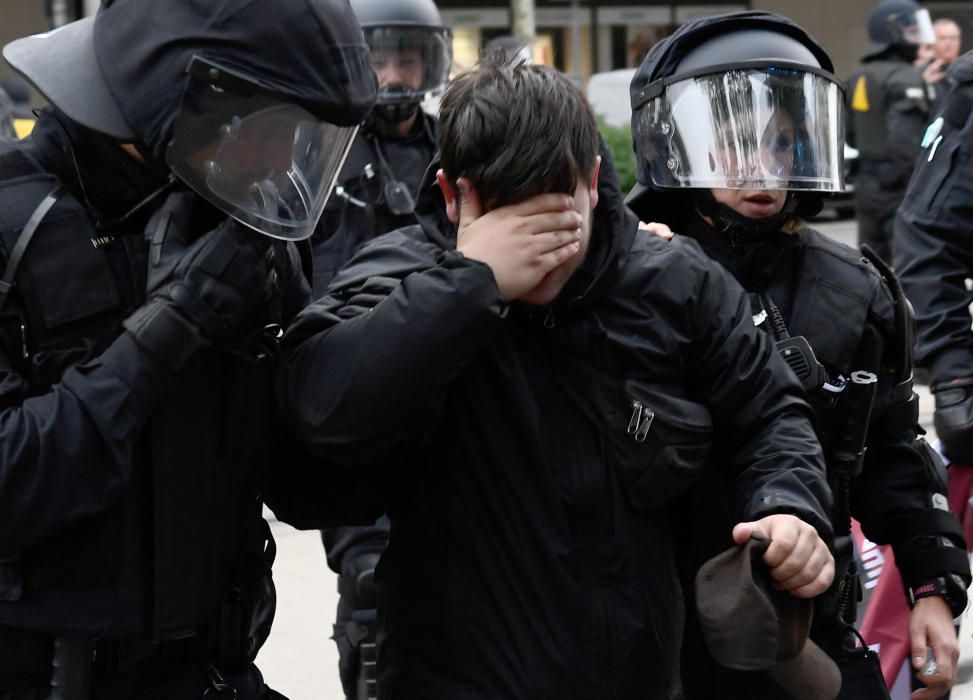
x: 795, y: 350
x: 799, y: 356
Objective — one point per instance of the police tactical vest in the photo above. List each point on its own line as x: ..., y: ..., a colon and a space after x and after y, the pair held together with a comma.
x: 193, y: 504
x: 874, y: 91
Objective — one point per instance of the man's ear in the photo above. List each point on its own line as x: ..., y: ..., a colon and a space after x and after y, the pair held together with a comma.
x: 593, y: 185
x: 449, y: 195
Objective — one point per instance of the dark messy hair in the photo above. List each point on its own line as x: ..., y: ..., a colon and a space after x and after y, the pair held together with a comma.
x: 515, y: 131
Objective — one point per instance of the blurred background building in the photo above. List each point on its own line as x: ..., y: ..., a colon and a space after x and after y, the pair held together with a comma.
x: 616, y: 34
x: 580, y: 37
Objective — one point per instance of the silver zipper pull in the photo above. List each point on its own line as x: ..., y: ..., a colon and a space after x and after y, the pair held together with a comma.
x: 633, y: 423
x: 646, y: 423
x: 549, y: 320
x: 23, y: 341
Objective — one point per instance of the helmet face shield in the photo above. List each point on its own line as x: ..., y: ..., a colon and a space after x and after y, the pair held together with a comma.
x: 916, y: 28
x: 409, y: 61
x: 769, y: 128
x: 266, y: 162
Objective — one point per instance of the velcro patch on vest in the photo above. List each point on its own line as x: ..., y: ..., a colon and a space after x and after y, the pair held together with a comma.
x: 859, y: 101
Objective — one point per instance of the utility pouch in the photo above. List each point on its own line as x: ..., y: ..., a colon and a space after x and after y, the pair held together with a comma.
x: 953, y: 419
x: 247, y: 612
x: 861, y: 673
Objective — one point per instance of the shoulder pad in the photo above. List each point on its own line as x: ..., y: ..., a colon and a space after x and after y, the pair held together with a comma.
x: 396, y: 254
x: 863, y: 280
x: 14, y: 163
x: 906, y: 82
x: 813, y: 239
x: 962, y: 69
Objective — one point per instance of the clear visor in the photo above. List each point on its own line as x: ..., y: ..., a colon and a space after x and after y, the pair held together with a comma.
x: 269, y: 164
x: 918, y: 29
x: 757, y: 129
x: 409, y: 61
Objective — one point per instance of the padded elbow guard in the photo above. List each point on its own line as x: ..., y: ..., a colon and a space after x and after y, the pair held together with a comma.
x: 954, y: 422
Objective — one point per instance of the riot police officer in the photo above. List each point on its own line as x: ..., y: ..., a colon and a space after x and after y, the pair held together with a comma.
x: 933, y: 253
x: 139, y: 309
x: 377, y: 187
x: 376, y: 191
x: 889, y: 107
x: 738, y: 134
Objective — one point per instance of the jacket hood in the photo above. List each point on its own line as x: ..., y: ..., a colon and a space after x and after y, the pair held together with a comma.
x: 614, y: 229
x: 310, y: 52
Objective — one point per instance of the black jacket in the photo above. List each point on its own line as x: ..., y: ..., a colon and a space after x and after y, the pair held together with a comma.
x: 933, y: 254
x: 519, y: 566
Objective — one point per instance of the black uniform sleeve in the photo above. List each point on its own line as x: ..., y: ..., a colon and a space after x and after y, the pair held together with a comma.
x: 756, y: 400
x: 934, y: 244
x: 415, y: 322
x: 66, y: 454
x: 900, y: 498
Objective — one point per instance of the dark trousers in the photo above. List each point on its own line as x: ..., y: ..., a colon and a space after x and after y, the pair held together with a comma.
x: 875, y: 207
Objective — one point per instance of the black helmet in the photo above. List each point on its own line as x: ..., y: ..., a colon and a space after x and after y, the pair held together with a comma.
x: 252, y: 104
x: 412, y: 52
x: 510, y: 47
x: 746, y: 100
x: 899, y: 24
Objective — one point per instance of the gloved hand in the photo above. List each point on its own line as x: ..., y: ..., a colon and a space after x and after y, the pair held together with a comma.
x: 212, y: 291
x: 953, y: 420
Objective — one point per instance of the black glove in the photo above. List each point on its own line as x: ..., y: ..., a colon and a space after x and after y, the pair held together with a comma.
x: 953, y: 420
x: 214, y: 291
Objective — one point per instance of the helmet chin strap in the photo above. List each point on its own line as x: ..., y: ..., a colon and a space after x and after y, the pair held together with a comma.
x: 395, y: 113
x: 744, y: 230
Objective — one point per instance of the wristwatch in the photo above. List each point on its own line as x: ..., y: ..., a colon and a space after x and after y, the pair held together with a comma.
x: 946, y: 588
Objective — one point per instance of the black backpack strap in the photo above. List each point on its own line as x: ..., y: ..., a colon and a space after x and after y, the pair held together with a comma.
x: 30, y: 228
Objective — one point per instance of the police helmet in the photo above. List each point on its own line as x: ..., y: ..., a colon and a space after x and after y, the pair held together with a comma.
x: 747, y: 101
x: 411, y: 49
x: 512, y: 49
x: 900, y: 23
x: 254, y: 105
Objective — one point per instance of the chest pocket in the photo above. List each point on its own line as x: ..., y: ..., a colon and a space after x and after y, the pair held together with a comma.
x: 833, y: 323
x: 656, y: 442
x: 64, y: 288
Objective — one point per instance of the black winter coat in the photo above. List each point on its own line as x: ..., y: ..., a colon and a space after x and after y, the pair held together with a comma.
x: 519, y: 565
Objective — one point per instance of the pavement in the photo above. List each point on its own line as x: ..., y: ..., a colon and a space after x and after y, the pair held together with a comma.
x: 300, y: 660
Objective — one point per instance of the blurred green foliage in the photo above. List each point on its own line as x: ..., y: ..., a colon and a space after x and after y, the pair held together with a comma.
x: 619, y: 140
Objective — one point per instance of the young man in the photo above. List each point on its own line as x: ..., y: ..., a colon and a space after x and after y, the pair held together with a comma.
x: 545, y: 380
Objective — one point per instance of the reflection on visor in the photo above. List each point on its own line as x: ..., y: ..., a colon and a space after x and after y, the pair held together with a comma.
x: 763, y: 129
x: 920, y: 30
x: 269, y: 164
